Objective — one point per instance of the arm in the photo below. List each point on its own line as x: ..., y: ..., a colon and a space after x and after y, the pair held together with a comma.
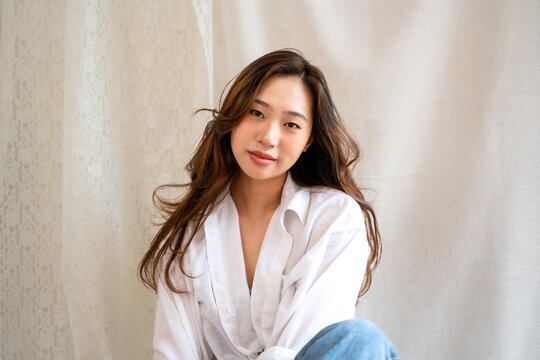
x: 177, y: 328
x: 322, y: 288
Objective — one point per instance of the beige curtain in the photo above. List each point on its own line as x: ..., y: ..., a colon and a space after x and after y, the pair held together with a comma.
x: 97, y: 101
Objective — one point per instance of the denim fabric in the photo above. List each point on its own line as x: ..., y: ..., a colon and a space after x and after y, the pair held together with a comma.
x: 350, y: 339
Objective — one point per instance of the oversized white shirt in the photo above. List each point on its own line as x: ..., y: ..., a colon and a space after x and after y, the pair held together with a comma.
x: 308, y: 275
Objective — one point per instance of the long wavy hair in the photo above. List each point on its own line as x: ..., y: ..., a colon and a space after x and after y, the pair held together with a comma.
x: 329, y: 161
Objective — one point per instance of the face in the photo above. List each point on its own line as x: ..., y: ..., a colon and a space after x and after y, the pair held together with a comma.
x: 276, y: 130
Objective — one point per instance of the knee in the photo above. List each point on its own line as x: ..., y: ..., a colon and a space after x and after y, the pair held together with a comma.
x: 349, y: 339
x: 358, y: 326
x: 361, y: 330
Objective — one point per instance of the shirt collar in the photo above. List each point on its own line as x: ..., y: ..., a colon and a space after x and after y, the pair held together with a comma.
x: 295, y: 198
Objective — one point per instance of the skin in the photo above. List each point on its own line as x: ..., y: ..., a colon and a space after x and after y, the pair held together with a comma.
x: 277, y: 127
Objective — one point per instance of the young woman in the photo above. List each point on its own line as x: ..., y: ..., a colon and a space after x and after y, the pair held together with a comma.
x: 268, y: 250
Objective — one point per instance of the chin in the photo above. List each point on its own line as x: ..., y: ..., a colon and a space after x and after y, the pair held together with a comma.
x: 259, y: 176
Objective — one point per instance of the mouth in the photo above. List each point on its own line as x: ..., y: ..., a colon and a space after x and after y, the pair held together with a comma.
x: 261, y: 158
x: 262, y: 155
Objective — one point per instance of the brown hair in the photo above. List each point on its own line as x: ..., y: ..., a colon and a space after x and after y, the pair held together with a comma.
x: 329, y: 161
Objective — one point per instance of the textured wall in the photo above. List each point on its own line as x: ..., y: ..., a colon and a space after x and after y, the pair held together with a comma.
x: 96, y: 111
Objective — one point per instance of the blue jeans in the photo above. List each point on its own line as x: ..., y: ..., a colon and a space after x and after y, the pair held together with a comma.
x: 350, y: 339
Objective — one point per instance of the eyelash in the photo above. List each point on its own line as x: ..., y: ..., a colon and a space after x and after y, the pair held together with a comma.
x: 294, y: 126
x: 256, y: 113
x: 259, y: 114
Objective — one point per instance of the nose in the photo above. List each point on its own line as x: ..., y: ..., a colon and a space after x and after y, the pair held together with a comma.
x: 269, y: 134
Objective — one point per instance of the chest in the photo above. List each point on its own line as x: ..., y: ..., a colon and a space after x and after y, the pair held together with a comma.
x: 252, y: 234
x: 245, y: 315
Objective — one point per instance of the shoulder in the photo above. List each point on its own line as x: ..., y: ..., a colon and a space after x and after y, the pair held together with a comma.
x: 333, y: 209
x: 331, y: 198
x: 333, y: 228
x: 320, y: 204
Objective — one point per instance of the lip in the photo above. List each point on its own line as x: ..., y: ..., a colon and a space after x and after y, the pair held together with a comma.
x: 262, y: 155
x: 261, y: 158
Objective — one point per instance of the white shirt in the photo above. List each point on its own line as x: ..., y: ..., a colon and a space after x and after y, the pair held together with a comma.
x: 308, y: 275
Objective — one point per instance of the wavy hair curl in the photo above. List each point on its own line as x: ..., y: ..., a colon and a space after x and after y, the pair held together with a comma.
x: 329, y: 161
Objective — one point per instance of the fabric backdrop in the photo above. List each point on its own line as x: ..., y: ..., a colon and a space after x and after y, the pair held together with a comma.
x: 97, y: 101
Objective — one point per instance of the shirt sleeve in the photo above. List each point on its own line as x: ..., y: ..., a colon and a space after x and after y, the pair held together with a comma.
x: 322, y: 288
x: 177, y: 327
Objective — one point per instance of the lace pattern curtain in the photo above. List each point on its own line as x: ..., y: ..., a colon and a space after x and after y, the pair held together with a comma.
x: 97, y: 101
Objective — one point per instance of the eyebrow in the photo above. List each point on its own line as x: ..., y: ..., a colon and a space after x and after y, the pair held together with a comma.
x: 292, y: 113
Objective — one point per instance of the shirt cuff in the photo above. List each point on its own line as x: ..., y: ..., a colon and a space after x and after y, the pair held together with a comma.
x: 277, y: 353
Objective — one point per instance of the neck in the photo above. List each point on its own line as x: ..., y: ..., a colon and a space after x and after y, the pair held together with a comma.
x: 256, y: 197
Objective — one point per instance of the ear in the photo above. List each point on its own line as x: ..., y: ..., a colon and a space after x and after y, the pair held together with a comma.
x: 310, y: 141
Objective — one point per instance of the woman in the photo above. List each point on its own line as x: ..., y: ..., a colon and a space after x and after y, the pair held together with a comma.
x: 272, y: 243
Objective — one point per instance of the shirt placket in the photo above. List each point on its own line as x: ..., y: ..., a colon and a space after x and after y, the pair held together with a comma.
x: 275, y: 272
x: 224, y: 275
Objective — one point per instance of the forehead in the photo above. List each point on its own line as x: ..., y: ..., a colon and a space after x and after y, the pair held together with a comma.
x: 286, y: 93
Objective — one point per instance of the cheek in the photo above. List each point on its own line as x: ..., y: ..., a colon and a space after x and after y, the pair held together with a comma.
x: 242, y: 130
x: 241, y: 136
x: 295, y: 147
x: 234, y: 144
x: 236, y: 135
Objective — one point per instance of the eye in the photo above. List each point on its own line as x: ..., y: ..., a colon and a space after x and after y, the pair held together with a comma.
x: 256, y: 113
x: 292, y: 125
